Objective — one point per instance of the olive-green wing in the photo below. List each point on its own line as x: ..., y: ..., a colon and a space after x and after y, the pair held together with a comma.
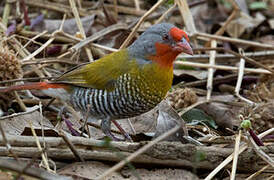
x: 101, y: 74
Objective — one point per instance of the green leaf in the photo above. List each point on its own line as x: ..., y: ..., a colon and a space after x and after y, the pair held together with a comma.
x: 258, y: 5
x: 197, y: 116
x: 200, y: 156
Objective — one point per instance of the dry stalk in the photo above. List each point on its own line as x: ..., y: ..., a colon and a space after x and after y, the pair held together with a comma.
x: 211, y: 70
x: 236, y: 155
x: 187, y: 16
x: 39, y: 147
x: 250, y: 60
x: 71, y: 146
x: 8, y: 146
x: 223, y: 27
x: 166, y: 13
x: 243, y: 147
x: 143, y: 18
x: 252, y: 176
x: 138, y: 152
x: 222, y: 67
x: 80, y: 26
x: 240, y: 79
x: 235, y: 40
x: 137, y: 5
x: 20, y: 102
x: 260, y: 152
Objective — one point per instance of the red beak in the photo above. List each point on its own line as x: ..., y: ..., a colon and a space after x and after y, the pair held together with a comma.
x: 183, y: 46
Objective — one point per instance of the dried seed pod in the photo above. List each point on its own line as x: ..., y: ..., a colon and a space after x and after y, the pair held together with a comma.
x: 182, y: 98
x: 10, y: 66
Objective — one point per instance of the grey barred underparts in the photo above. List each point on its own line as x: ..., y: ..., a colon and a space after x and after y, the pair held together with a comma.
x: 125, y: 101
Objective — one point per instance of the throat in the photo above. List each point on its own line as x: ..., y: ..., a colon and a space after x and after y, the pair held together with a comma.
x: 165, y: 60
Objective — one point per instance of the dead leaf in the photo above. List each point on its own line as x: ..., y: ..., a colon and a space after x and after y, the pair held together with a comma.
x: 69, y: 27
x: 88, y: 170
x: 224, y: 115
x: 168, y: 119
x: 16, y: 125
x: 161, y: 174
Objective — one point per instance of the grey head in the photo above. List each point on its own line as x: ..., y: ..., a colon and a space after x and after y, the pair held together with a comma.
x: 163, y: 33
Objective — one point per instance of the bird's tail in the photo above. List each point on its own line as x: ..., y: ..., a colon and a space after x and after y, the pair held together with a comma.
x: 30, y: 86
x: 56, y: 90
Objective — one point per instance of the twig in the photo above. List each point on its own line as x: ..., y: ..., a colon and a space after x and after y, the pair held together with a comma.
x: 240, y: 79
x: 138, y: 152
x: 236, y: 155
x: 33, y: 159
x: 8, y: 146
x: 34, y: 108
x: 235, y: 40
x: 80, y: 26
x: 132, y: 34
x: 260, y: 153
x: 252, y: 176
x: 35, y: 37
x: 20, y: 102
x: 71, y: 146
x: 97, y: 35
x: 187, y: 16
x: 211, y: 70
x: 137, y: 5
x: 224, y: 26
x: 222, y: 67
x: 32, y: 171
x: 39, y: 49
x: 166, y: 13
x: 229, y: 158
x: 25, y: 79
x: 86, y: 119
x: 39, y: 146
x: 258, y: 55
x: 251, y: 61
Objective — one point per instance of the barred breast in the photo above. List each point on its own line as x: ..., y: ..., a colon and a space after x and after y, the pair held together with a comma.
x: 130, y: 97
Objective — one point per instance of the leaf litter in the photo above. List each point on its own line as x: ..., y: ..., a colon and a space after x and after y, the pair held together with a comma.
x: 217, y: 118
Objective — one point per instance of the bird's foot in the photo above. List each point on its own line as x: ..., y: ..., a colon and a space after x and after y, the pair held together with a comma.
x: 125, y: 134
x: 106, y: 128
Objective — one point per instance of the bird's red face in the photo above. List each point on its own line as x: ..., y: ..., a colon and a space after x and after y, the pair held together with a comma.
x: 172, y: 44
x: 161, y: 43
x: 182, y: 41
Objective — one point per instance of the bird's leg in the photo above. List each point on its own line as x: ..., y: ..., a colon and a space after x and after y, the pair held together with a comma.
x: 106, y: 128
x: 125, y: 134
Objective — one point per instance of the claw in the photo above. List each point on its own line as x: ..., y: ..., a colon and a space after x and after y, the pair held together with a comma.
x: 106, y: 128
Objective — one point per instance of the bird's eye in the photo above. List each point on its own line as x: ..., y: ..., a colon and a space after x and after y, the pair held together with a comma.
x: 165, y: 37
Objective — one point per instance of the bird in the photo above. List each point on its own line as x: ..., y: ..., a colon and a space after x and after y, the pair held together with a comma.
x: 122, y: 84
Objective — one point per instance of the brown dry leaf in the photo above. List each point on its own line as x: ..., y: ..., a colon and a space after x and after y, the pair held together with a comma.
x: 69, y: 27
x: 168, y: 119
x: 205, y: 15
x: 145, y: 122
x: 16, y: 125
x: 225, y: 116
x: 87, y: 170
x: 243, y: 23
x: 161, y: 174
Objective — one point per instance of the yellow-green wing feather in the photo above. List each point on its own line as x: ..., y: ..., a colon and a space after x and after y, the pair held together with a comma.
x: 101, y: 74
